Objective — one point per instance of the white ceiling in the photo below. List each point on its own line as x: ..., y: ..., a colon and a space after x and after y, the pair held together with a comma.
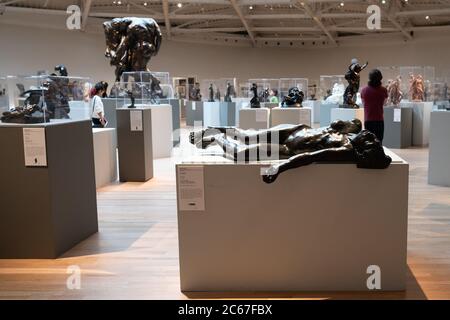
x: 261, y: 22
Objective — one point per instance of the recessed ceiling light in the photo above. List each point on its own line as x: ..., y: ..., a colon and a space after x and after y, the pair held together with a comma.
x: 342, y: 4
x: 383, y: 2
x: 251, y: 7
x: 427, y: 17
x: 179, y: 5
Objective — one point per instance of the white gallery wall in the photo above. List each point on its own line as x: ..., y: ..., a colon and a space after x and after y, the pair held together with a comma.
x: 26, y: 48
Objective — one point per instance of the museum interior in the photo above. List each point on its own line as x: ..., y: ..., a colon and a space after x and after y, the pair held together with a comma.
x: 224, y: 149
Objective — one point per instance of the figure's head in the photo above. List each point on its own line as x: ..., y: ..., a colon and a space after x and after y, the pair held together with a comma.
x: 346, y: 127
x: 369, y: 151
x: 62, y: 70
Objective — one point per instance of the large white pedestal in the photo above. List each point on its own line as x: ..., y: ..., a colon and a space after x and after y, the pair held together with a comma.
x: 439, y: 152
x: 162, y: 131
x: 254, y: 118
x: 325, y: 113
x: 421, y: 121
x: 105, y: 156
x: 315, y: 105
x: 211, y: 114
x: 347, y: 114
x: 291, y: 116
x: 317, y: 228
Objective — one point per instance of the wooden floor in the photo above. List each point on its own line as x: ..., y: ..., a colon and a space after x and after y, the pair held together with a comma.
x: 135, y: 253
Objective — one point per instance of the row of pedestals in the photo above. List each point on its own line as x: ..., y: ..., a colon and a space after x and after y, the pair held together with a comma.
x: 49, y: 174
x: 238, y: 113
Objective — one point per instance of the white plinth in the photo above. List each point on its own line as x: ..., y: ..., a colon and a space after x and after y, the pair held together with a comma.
x: 317, y: 228
x: 241, y: 103
x: 211, y: 114
x: 315, y: 106
x: 347, y: 114
x: 421, y: 121
x: 291, y: 116
x: 439, y: 152
x: 254, y: 118
x: 162, y: 131
x: 105, y: 156
x: 325, y: 113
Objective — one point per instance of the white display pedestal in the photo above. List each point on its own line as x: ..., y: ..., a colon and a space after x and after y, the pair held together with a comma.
x: 254, y: 118
x: 315, y: 106
x: 105, y: 156
x: 291, y: 116
x: 304, y: 232
x: 211, y: 114
x: 346, y: 114
x: 269, y: 105
x: 439, y: 152
x: 421, y: 121
x: 325, y: 113
x: 162, y: 131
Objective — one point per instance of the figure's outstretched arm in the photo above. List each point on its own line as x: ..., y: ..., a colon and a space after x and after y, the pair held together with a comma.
x: 344, y: 153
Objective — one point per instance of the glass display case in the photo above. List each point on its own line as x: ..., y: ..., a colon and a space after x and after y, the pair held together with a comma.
x: 287, y: 83
x: 244, y: 90
x: 143, y: 87
x: 389, y: 74
x: 264, y: 87
x: 34, y: 99
x: 223, y: 89
x: 332, y: 88
x: 439, y: 91
x: 417, y: 82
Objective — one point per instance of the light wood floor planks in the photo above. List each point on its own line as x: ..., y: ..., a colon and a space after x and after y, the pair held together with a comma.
x: 135, y: 254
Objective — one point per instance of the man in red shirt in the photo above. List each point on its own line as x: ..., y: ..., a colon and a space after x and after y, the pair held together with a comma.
x: 374, y: 97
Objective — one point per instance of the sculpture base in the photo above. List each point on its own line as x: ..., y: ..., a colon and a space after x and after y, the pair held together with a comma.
x: 397, y: 127
x: 291, y: 116
x: 254, y: 118
x: 302, y: 238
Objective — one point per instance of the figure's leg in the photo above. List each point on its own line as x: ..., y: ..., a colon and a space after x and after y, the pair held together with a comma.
x: 344, y: 153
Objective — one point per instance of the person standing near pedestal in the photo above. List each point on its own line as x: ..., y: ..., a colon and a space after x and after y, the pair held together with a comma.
x: 96, y: 105
x: 274, y: 96
x: 374, y: 97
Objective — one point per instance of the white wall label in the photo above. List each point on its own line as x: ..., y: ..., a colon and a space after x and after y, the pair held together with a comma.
x: 191, y: 188
x: 34, y: 147
x: 136, y: 120
x: 397, y: 115
x: 261, y: 115
x: 193, y: 106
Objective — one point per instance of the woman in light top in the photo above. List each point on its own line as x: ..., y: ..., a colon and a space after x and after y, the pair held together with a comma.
x: 96, y: 105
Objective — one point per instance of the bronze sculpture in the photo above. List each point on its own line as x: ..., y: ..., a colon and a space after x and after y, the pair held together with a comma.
x: 395, y: 95
x: 416, y: 87
x: 131, y: 42
x: 254, y: 102
x: 211, y: 93
x: 229, y: 93
x: 294, y: 98
x: 353, y: 78
x: 299, y: 145
x: 27, y: 114
x: 194, y: 93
